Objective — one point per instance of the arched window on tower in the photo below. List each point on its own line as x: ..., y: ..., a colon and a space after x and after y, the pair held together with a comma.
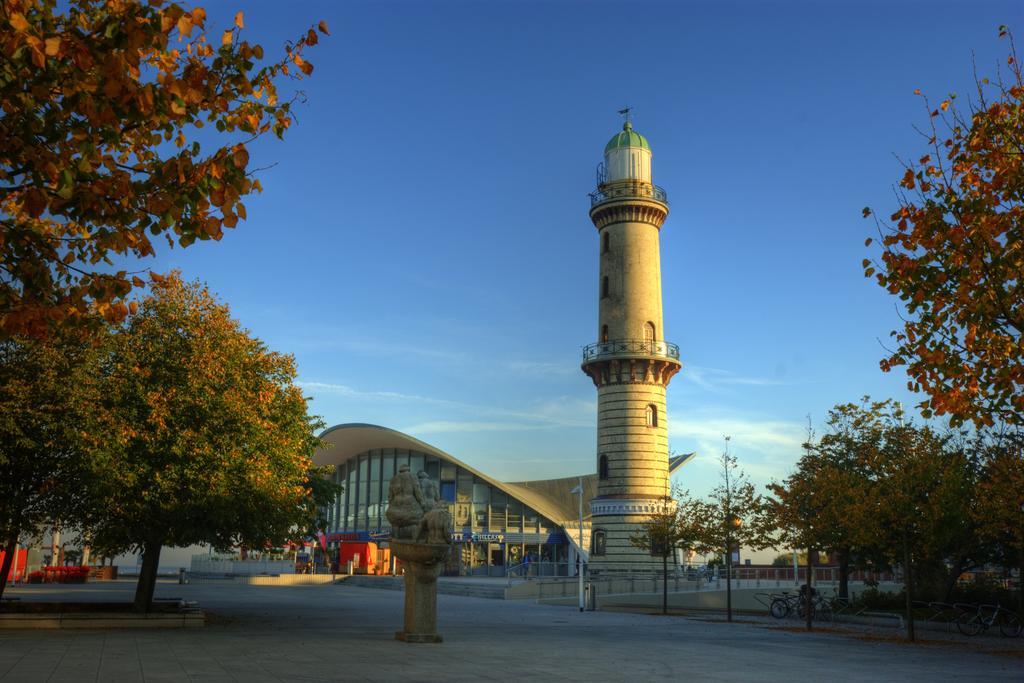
x: 604, y: 287
x: 606, y: 242
x: 602, y: 467
x: 604, y: 333
x: 597, y: 542
x: 649, y: 334
x: 652, y: 415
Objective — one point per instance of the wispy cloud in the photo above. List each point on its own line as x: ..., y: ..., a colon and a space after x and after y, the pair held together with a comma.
x: 449, y: 427
x: 719, y: 381
x: 754, y: 433
x: 351, y: 392
x: 548, y: 368
x: 767, y: 448
x: 323, y: 342
x: 552, y: 413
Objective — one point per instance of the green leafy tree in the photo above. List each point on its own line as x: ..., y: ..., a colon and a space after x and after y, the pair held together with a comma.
x: 886, y: 490
x: 731, y: 518
x: 677, y: 524
x: 999, y: 513
x: 100, y: 152
x: 47, y: 390
x: 953, y: 252
x: 810, y: 508
x: 914, y: 500
x: 209, y: 440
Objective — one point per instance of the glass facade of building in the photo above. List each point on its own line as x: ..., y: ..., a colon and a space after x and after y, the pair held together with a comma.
x: 494, y: 532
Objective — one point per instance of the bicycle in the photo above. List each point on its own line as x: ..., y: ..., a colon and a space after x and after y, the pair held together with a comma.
x: 783, y: 604
x: 820, y: 607
x: 973, y: 623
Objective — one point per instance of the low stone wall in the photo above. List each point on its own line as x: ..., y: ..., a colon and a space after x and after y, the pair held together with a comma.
x: 689, y: 595
x: 290, y: 579
x: 202, y: 564
x: 80, y: 620
x: 268, y: 580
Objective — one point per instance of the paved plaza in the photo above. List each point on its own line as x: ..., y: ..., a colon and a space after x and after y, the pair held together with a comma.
x: 345, y: 633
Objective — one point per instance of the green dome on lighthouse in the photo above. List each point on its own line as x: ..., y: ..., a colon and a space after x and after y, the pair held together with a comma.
x: 627, y: 138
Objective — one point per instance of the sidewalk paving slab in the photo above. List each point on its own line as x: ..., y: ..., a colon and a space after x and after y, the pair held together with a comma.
x: 345, y: 633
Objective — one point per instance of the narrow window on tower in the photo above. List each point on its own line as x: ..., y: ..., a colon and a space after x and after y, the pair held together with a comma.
x: 649, y: 331
x: 605, y: 243
x: 602, y: 467
x: 604, y: 287
x: 604, y: 333
x: 652, y: 415
x: 597, y: 543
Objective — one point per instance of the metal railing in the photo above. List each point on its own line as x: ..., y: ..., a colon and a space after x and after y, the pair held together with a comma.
x: 525, y: 570
x: 628, y: 191
x: 630, y: 347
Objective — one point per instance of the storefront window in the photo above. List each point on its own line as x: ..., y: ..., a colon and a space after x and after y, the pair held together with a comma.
x: 547, y: 553
x: 352, y: 491
x: 515, y: 554
x: 361, y: 523
x: 447, y: 471
x: 479, y: 558
x: 481, y: 499
x: 529, y: 521
x: 373, y: 499
x: 461, y: 516
x: 464, y: 494
x: 533, y: 551
x: 415, y: 463
x: 498, y: 502
x: 432, y: 468
x: 479, y: 515
x: 515, y: 516
x: 463, y: 499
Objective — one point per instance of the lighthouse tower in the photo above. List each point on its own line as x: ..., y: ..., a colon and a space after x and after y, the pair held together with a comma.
x: 631, y: 363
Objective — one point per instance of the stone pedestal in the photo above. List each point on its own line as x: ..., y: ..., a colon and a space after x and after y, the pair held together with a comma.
x: 423, y: 563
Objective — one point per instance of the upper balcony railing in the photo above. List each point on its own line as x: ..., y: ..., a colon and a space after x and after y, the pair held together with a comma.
x: 630, y: 347
x: 616, y: 192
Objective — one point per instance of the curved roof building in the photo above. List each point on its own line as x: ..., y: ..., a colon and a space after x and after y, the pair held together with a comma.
x: 525, y: 527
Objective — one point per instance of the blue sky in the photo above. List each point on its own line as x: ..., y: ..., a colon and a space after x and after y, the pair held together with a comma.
x: 423, y: 248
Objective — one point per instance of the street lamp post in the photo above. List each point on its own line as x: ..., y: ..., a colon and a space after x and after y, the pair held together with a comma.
x: 579, y: 547
x: 732, y: 522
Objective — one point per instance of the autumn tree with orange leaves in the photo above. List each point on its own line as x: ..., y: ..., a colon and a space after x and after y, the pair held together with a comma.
x: 208, y: 438
x: 953, y: 252
x: 102, y: 102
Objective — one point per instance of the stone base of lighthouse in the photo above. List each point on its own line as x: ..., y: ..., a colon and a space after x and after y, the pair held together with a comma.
x: 620, y: 555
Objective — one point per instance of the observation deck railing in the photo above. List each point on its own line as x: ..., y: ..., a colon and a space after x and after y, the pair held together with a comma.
x: 628, y: 348
x: 615, y: 192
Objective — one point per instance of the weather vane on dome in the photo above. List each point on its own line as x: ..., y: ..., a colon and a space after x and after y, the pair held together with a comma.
x: 627, y: 114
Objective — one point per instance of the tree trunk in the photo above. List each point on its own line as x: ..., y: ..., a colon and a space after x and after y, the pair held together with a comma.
x: 9, y: 551
x: 1020, y: 584
x: 147, y: 576
x: 728, y: 584
x: 908, y: 586
x: 844, y: 574
x: 664, y: 584
x: 809, y: 597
